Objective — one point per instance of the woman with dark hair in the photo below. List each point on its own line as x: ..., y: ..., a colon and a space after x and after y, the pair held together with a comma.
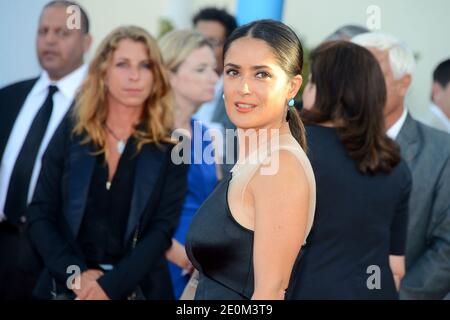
x: 109, y: 195
x: 247, y: 236
x: 357, y: 244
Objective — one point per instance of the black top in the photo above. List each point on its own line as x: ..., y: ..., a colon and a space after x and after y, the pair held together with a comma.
x: 103, y: 228
x: 56, y: 214
x: 221, y: 249
x: 360, y: 220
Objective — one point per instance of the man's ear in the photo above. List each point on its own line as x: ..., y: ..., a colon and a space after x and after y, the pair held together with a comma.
x: 295, y: 85
x: 404, y: 84
x: 87, y: 42
x: 436, y: 90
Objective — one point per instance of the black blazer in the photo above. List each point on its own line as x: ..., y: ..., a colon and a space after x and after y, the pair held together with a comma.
x: 12, y: 99
x: 58, y: 206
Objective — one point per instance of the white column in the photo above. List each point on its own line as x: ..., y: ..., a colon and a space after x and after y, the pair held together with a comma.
x: 179, y: 12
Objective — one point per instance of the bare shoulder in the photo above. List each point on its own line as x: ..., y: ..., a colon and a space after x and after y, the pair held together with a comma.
x: 281, y: 173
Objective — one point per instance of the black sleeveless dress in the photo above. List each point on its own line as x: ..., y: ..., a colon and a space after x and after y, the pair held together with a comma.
x: 222, y: 250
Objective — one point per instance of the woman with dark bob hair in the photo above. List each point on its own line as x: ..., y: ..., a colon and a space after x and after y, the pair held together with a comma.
x: 356, y: 246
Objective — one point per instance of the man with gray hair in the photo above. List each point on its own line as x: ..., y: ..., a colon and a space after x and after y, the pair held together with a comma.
x: 427, y: 153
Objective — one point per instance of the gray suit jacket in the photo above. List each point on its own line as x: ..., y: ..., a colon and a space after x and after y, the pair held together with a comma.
x: 427, y: 153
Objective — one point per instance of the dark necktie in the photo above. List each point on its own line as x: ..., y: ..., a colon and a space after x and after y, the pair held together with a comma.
x: 16, y: 199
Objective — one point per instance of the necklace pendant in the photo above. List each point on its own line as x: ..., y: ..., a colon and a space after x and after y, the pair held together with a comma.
x: 120, y: 146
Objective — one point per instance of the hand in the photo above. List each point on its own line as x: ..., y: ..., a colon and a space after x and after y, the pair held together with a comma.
x: 93, y: 291
x: 79, y: 282
x: 84, y: 281
x: 177, y: 255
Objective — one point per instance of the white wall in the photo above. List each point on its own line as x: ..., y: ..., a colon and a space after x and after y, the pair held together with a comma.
x: 105, y: 15
x: 19, y: 20
x: 423, y: 25
x: 18, y: 27
x: 108, y: 14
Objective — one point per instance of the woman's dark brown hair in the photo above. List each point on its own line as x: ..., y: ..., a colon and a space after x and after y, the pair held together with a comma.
x: 288, y: 50
x: 351, y: 93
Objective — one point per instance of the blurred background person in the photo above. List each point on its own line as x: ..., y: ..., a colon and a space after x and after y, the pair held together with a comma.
x: 190, y: 62
x: 217, y: 25
x: 247, y: 236
x: 346, y: 33
x: 438, y: 115
x: 158, y: 18
x: 109, y: 196
x: 31, y: 111
x: 427, y: 153
x: 362, y: 184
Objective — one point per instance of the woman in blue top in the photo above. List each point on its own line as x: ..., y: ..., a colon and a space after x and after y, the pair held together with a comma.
x: 190, y: 61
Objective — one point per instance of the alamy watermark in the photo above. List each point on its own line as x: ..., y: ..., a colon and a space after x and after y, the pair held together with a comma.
x: 373, y: 22
x: 374, y: 280
x: 73, y: 21
x: 256, y: 147
x: 74, y: 280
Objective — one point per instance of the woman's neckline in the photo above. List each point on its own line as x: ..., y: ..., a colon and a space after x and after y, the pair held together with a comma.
x: 257, y: 153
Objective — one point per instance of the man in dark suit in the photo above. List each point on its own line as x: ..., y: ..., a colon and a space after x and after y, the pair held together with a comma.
x: 427, y: 153
x: 31, y: 111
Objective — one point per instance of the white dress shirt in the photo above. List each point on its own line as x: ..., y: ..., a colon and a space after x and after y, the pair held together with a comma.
x: 436, y: 118
x: 62, y: 100
x: 397, y: 126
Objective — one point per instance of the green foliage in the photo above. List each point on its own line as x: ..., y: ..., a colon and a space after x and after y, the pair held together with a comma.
x: 165, y: 26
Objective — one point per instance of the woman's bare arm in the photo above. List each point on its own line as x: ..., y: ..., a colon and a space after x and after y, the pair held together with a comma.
x: 281, y: 216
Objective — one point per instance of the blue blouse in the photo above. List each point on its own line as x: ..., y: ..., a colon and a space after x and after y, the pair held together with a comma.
x: 202, y: 179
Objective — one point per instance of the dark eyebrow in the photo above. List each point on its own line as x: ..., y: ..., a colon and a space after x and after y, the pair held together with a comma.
x: 232, y: 65
x: 253, y: 67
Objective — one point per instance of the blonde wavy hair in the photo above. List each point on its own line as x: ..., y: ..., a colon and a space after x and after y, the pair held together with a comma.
x: 177, y: 45
x: 91, y: 110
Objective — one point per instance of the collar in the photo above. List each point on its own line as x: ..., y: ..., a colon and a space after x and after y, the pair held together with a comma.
x: 398, y: 125
x: 68, y: 85
x: 440, y: 114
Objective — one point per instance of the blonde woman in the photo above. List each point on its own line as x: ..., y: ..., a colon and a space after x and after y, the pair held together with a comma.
x: 109, y: 196
x: 189, y: 59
